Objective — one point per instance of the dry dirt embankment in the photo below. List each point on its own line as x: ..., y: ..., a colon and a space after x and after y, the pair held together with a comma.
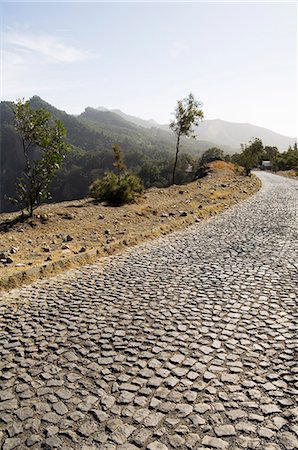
x: 288, y: 174
x: 68, y: 234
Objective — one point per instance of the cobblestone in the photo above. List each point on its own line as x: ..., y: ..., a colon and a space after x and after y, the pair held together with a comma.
x: 186, y: 342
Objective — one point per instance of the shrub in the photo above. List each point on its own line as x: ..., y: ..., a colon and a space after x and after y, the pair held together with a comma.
x: 117, y: 189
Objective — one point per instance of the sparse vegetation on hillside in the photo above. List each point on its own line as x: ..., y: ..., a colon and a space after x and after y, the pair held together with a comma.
x: 149, y: 153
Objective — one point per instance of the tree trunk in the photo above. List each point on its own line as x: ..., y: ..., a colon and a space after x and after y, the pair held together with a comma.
x: 176, y: 158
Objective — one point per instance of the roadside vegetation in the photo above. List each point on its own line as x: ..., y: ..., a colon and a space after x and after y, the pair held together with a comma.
x: 254, y: 153
x: 117, y: 188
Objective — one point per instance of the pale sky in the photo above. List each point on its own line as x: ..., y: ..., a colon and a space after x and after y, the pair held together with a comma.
x: 239, y: 59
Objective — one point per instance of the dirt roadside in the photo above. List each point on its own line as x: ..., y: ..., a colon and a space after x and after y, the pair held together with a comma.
x: 69, y: 234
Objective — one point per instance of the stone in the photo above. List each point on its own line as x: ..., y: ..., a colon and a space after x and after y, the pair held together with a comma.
x: 183, y: 409
x: 68, y: 238
x: 270, y: 409
x: 176, y: 441
x: 266, y: 432
x: 236, y: 414
x: 11, y: 443
x: 247, y: 427
x: 229, y: 378
x: 289, y: 440
x: 142, y: 436
x: 125, y: 397
x: 88, y: 428
x: 24, y: 413
x: 215, y: 442
x: 279, y: 422
x: 156, y: 445
x: 33, y: 439
x: 107, y: 401
x: 6, y: 394
x: 122, y: 433
x: 209, y: 376
x: 9, y: 404
x: 202, y: 407
x: 51, y: 417
x: 153, y: 419
x: 70, y: 356
x: 15, y: 428
x: 51, y: 430
x: 60, y: 408
x: 225, y: 430
x: 64, y: 393
x: 53, y: 442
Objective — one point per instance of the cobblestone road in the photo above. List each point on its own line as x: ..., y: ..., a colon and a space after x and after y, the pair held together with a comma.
x: 183, y: 343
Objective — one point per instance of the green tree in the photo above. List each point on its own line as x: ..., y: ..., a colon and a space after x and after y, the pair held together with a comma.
x: 118, y: 160
x: 250, y: 155
x: 117, y: 189
x: 44, y: 149
x: 288, y: 160
x: 270, y: 154
x: 188, y: 113
x: 212, y: 154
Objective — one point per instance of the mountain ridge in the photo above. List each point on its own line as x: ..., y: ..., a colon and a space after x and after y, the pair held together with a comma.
x: 92, y: 134
x: 221, y: 132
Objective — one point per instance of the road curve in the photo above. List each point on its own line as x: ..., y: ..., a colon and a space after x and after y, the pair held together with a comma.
x: 186, y: 342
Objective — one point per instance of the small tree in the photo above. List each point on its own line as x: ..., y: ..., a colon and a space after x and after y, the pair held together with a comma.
x: 251, y: 154
x: 117, y: 188
x: 44, y: 150
x: 188, y: 113
x: 212, y: 154
x: 118, y: 160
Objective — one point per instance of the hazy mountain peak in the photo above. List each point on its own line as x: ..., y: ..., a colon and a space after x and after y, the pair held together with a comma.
x: 101, y: 108
x: 221, y: 132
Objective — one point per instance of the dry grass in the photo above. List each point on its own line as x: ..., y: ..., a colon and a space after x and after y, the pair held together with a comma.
x: 288, y: 173
x: 98, y: 230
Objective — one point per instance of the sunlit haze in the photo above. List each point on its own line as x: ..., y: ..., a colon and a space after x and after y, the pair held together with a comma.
x: 239, y: 59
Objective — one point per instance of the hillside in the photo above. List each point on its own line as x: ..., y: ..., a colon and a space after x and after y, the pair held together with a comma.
x: 148, y: 148
x: 92, y: 134
x: 226, y: 135
x: 233, y: 134
x: 131, y: 132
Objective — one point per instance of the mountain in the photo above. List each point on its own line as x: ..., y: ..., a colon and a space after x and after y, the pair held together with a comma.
x: 126, y: 130
x: 136, y: 120
x: 140, y: 122
x: 227, y: 135
x: 148, y: 152
x: 233, y: 134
